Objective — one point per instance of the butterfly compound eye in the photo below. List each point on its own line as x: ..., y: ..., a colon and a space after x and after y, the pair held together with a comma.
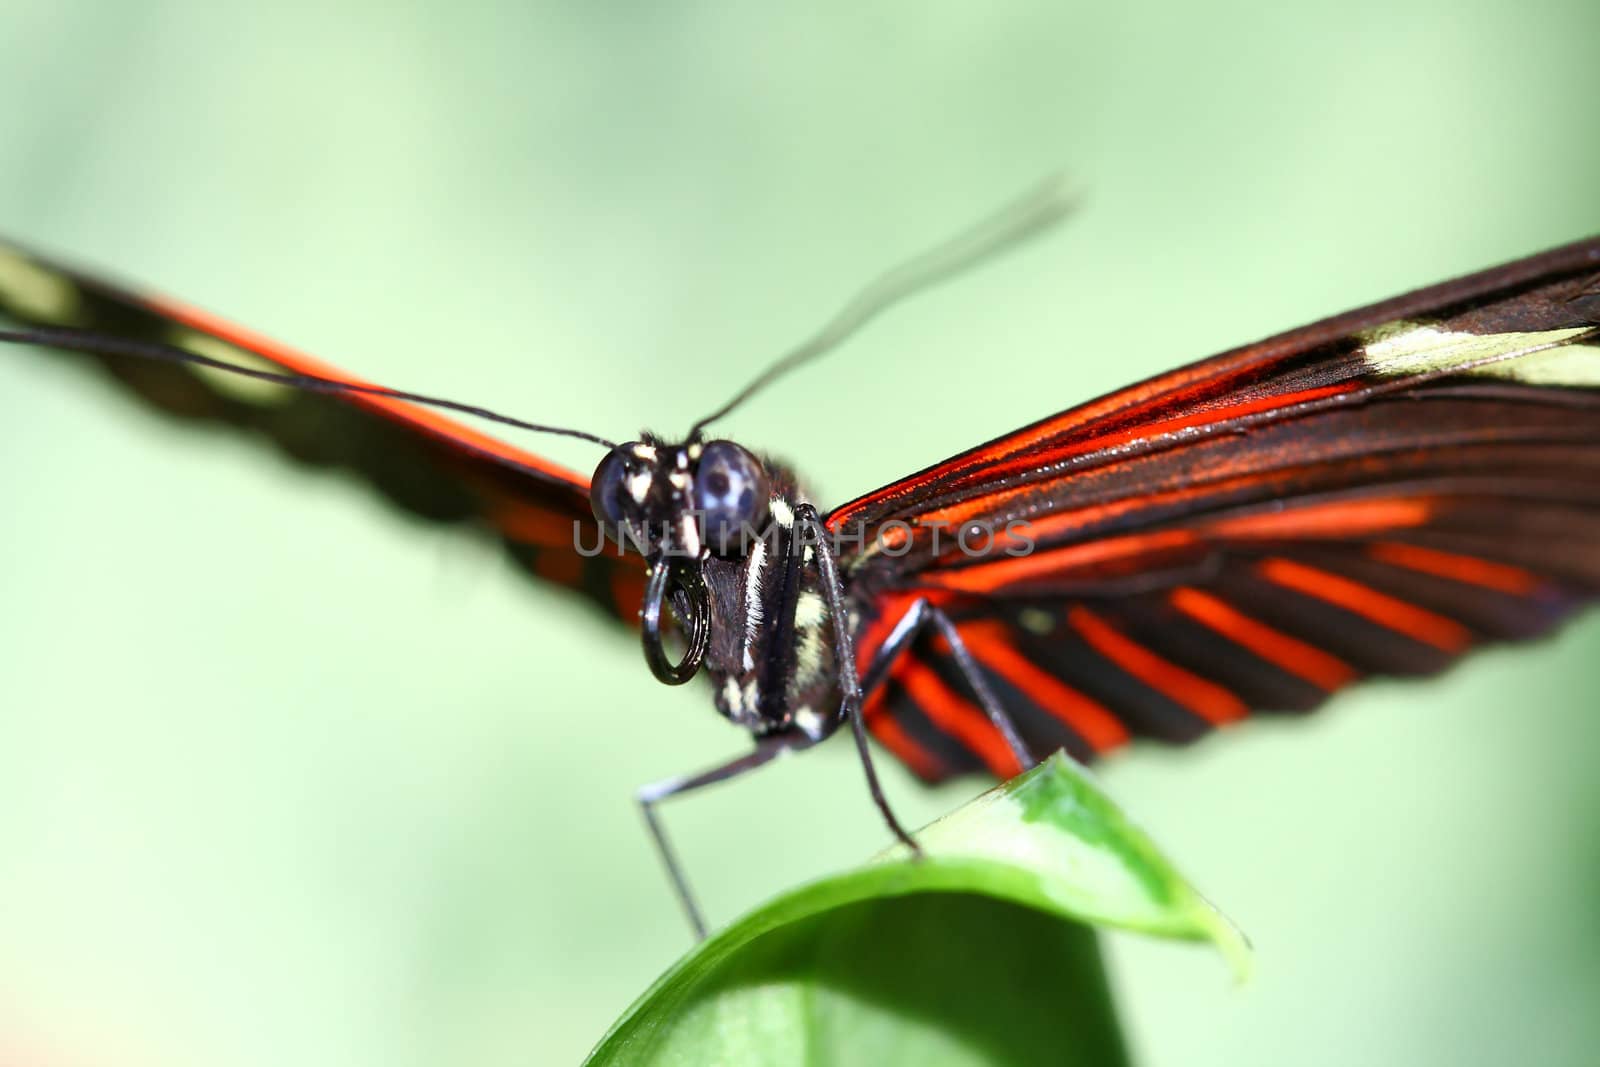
x: 731, y: 493
x: 610, y: 495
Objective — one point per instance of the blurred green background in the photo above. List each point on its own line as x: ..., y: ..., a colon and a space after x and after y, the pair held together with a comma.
x: 287, y: 779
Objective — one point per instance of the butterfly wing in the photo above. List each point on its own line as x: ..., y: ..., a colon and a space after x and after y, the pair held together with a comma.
x: 1375, y: 494
x: 428, y: 465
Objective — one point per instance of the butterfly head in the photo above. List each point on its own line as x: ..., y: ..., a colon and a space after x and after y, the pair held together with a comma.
x: 680, y: 505
x: 685, y: 500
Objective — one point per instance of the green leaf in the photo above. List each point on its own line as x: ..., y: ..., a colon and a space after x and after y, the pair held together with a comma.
x: 982, y: 952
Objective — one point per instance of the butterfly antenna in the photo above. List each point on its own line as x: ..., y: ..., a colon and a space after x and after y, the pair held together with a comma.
x: 106, y: 345
x: 1040, y: 208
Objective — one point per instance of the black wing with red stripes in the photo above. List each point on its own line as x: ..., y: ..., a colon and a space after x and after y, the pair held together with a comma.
x: 1375, y: 494
x: 428, y: 465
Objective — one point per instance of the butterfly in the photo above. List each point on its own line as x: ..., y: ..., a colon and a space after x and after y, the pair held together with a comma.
x: 1378, y: 493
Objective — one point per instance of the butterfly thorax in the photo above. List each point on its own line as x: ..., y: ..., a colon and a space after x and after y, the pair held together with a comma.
x: 771, y: 659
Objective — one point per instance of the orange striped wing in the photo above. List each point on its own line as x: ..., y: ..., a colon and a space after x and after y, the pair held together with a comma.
x: 1378, y: 493
x: 426, y: 464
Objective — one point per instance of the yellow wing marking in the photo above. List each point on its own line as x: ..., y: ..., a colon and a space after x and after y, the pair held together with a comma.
x: 1536, y: 357
x: 238, y: 386
x: 34, y: 293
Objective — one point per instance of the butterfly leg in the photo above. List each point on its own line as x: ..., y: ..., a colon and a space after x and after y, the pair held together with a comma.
x: 649, y: 796
x: 845, y: 655
x: 922, y: 615
x: 980, y: 686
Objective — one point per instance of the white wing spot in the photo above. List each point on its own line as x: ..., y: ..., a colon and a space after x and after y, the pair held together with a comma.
x: 1537, y: 357
x: 1036, y: 621
x: 239, y: 386
x: 34, y: 292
